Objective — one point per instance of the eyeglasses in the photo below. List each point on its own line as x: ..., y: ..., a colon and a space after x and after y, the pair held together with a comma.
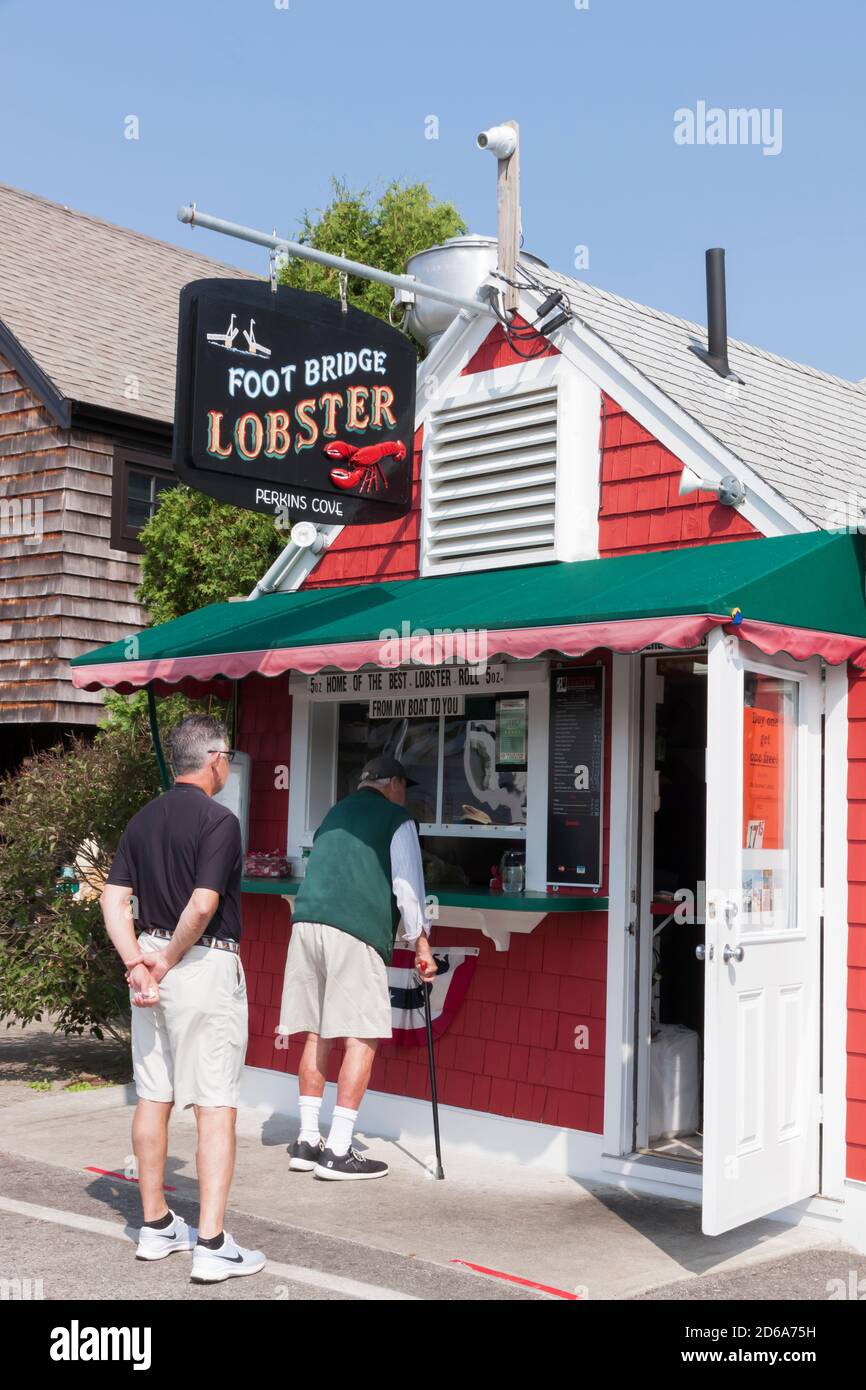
x: 225, y: 752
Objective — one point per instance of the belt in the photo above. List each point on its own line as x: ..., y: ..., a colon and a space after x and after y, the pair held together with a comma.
x: 206, y: 940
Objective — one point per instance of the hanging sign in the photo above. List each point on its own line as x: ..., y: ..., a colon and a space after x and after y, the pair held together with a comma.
x: 289, y: 406
x: 574, y: 806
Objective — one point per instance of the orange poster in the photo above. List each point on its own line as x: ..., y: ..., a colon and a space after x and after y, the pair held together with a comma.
x: 763, y: 779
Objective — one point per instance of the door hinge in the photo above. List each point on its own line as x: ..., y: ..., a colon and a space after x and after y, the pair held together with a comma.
x: 820, y: 1107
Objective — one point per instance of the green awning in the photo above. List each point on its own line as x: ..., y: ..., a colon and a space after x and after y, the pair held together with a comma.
x: 803, y: 594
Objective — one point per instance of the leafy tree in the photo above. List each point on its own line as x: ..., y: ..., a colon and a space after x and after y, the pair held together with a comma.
x: 199, y: 551
x: 67, y: 806
x: 405, y: 219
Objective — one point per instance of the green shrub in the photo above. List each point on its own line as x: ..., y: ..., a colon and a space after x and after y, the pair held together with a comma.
x: 65, y: 806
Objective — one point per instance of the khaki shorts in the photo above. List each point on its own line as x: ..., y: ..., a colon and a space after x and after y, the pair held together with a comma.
x: 190, y: 1047
x: 335, y: 985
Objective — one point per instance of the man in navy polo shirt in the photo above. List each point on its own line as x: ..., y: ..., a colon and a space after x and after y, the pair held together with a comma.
x: 179, y: 865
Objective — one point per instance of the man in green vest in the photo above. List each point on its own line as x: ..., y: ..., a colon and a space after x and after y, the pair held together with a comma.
x: 364, y: 873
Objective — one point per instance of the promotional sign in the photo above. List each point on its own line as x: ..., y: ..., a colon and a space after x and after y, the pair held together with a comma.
x: 576, y: 767
x: 511, y: 732
x: 448, y: 680
x: 416, y: 706
x: 763, y: 778
x: 288, y: 405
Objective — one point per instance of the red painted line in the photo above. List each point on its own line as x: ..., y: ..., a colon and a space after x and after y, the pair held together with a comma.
x: 516, y: 1279
x: 107, y: 1173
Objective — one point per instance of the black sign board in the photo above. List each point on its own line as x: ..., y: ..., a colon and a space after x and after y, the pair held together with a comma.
x: 574, y: 795
x: 287, y: 405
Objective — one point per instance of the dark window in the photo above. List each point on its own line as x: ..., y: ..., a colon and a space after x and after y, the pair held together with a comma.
x: 470, y: 770
x: 139, y: 481
x: 414, y: 741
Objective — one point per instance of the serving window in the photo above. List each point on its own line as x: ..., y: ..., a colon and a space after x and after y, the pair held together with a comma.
x: 468, y: 777
x: 477, y: 753
x: 471, y: 775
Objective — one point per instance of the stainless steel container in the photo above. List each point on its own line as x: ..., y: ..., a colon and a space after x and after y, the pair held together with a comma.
x: 460, y: 264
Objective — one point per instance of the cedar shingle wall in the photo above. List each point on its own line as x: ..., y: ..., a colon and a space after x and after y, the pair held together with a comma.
x: 496, y: 351
x: 640, y: 507
x: 510, y: 1050
x: 66, y: 590
x: 265, y: 732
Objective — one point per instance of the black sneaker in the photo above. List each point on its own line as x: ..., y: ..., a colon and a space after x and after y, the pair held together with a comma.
x: 348, y: 1166
x: 305, y: 1156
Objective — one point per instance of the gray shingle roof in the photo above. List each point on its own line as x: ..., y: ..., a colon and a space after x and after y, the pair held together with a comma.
x: 94, y: 304
x: 802, y: 430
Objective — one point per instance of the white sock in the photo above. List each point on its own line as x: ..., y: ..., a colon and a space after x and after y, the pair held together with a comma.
x: 342, y: 1129
x: 309, y: 1107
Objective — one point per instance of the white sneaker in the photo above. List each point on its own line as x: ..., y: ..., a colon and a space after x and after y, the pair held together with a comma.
x: 155, y: 1245
x: 230, y: 1261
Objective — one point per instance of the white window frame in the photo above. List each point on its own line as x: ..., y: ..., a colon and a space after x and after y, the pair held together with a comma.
x: 310, y: 796
x: 577, y: 457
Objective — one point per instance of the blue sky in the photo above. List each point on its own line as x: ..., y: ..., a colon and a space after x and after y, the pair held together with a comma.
x: 250, y: 109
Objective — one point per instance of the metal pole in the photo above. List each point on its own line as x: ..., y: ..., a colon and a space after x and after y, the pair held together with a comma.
x: 508, y: 219
x: 269, y: 581
x: 157, y: 745
x: 408, y: 283
x: 428, y: 1019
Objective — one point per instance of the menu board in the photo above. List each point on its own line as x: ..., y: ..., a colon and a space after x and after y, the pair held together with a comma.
x: 574, y: 799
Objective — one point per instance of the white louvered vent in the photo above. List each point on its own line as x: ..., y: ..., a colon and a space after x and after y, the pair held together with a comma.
x: 491, y: 482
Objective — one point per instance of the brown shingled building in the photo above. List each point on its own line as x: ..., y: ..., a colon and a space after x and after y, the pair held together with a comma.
x: 88, y: 325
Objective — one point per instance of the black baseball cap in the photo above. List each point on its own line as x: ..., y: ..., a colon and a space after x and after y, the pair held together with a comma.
x: 378, y: 769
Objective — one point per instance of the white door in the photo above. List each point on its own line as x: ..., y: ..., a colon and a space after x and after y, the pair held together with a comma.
x: 762, y: 953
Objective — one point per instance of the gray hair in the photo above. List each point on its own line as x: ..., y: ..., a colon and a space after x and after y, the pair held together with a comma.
x: 192, y: 739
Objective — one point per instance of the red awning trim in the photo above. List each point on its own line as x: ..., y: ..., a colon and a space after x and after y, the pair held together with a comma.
x: 802, y: 642
x: 521, y: 643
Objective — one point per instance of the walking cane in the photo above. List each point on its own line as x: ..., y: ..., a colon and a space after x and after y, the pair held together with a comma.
x: 428, y: 1018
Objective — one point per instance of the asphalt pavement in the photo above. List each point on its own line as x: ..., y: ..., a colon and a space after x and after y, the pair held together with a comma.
x: 71, y: 1236
x: 69, y: 1213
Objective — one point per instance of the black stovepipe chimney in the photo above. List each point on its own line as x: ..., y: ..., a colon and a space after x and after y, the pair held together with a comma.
x: 717, y: 311
x: 716, y: 353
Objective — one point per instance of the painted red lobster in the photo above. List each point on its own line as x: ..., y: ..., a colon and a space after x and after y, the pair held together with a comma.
x: 363, y: 464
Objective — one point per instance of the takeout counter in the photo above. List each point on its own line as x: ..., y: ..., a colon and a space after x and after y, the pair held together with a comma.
x: 496, y: 915
x: 465, y: 897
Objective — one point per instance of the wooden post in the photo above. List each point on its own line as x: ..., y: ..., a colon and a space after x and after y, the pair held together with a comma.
x: 508, y: 226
